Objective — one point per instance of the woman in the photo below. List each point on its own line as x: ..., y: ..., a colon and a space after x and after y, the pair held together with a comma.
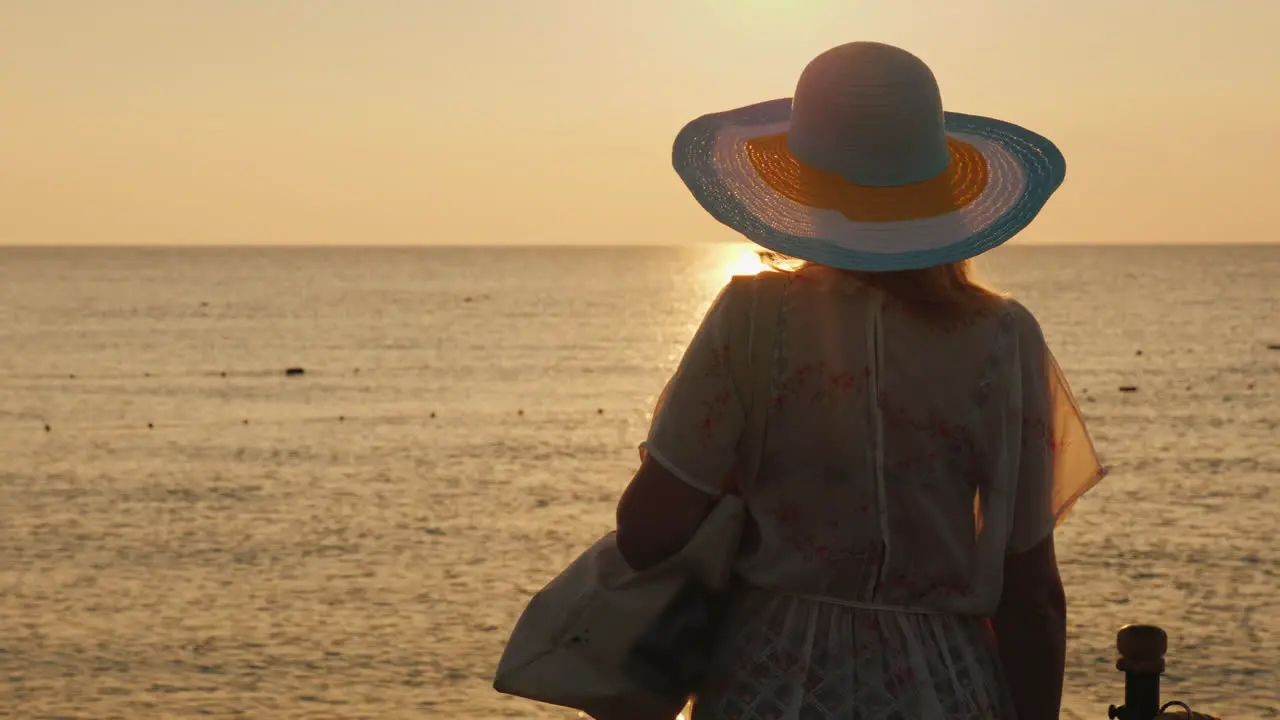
x: 921, y: 441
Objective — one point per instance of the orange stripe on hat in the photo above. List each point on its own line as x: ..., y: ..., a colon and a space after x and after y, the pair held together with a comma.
x: 960, y: 184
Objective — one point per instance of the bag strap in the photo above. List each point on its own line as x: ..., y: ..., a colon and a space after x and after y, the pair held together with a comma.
x: 752, y: 363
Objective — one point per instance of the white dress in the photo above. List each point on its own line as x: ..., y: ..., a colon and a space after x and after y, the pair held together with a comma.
x: 902, y: 460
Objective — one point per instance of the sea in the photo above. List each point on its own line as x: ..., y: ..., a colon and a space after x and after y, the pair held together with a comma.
x: 189, y: 530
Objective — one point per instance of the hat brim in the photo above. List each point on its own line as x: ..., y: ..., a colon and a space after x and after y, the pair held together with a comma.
x: 714, y: 157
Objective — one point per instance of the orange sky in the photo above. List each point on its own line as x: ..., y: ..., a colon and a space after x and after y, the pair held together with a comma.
x: 550, y: 121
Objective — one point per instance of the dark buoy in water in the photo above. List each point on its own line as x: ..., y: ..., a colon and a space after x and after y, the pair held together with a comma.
x: 433, y: 416
x: 1128, y: 388
x: 150, y: 426
x: 342, y: 418
x: 223, y: 373
x: 466, y: 299
x: 1138, y: 353
x: 245, y: 421
x: 599, y: 411
x: 72, y: 376
x: 356, y: 371
x: 294, y: 371
x: 520, y: 412
x: 47, y: 428
x: 146, y: 374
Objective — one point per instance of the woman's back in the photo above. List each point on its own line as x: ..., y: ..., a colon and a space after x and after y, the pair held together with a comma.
x: 860, y: 381
x: 905, y: 454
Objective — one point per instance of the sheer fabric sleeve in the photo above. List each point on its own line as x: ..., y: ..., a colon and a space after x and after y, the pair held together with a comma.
x: 1057, y: 462
x: 700, y: 415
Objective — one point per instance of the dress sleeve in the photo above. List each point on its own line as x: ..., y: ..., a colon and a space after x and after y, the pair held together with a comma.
x: 700, y: 414
x: 1057, y: 462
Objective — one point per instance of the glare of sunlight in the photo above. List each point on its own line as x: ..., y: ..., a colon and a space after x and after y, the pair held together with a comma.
x: 740, y: 260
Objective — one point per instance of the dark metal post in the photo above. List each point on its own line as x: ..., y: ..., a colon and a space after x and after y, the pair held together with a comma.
x: 1142, y: 649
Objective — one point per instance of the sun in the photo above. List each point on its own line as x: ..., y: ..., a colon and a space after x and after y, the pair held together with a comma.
x: 741, y: 260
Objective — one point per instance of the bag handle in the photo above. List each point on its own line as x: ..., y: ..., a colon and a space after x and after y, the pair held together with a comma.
x: 752, y: 364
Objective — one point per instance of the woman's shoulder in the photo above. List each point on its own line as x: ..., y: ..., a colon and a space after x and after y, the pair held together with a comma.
x: 1023, y: 324
x: 739, y: 291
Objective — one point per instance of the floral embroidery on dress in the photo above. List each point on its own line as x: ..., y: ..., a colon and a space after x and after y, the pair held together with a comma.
x: 814, y: 540
x: 717, y: 378
x: 715, y: 408
x: 820, y: 385
x: 719, y: 365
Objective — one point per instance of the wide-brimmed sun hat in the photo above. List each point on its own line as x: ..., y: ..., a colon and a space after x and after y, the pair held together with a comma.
x: 863, y: 170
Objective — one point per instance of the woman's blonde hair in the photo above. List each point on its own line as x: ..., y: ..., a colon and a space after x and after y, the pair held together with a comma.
x: 942, y: 291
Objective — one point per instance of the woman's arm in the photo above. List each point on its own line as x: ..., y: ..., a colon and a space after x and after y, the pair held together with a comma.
x: 692, y: 445
x: 658, y: 515
x: 1031, y: 631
